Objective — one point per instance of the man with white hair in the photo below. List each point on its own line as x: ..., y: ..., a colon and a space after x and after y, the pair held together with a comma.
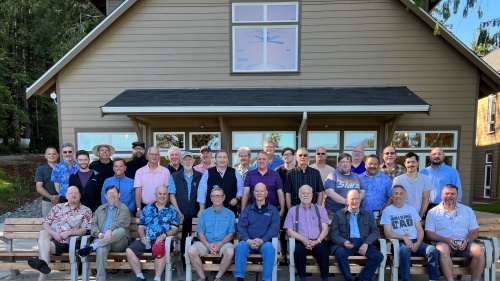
x: 174, y: 156
x: 358, y: 155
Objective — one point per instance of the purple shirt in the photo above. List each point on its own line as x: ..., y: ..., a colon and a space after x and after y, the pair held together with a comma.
x: 271, y: 179
x: 308, y: 220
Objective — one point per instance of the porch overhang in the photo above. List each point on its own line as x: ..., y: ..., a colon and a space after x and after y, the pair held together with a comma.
x: 360, y: 100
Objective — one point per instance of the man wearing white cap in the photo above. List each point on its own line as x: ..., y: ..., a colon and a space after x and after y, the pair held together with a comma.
x: 104, y: 165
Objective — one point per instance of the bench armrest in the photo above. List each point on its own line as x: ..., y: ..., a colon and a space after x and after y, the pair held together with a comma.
x: 291, y: 250
x: 189, y: 242
x: 488, y: 251
x: 73, y: 241
x: 168, y: 243
x: 85, y: 242
x: 8, y: 242
x: 383, y: 250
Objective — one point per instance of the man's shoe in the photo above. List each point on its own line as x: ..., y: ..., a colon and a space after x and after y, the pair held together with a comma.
x: 114, y: 271
x: 140, y: 279
x: 39, y: 265
x: 83, y: 252
x: 217, y: 279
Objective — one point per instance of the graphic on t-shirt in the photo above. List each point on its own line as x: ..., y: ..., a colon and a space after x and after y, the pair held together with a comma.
x: 401, y: 221
x: 347, y: 184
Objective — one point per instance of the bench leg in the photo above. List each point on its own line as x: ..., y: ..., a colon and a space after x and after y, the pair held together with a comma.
x: 394, y: 273
x: 15, y: 272
x: 74, y: 271
x: 168, y: 272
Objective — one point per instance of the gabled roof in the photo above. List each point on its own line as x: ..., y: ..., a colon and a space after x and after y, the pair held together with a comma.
x: 47, y: 80
x: 493, y: 59
x: 258, y: 100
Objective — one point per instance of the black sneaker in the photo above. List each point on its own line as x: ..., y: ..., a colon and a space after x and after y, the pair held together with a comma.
x: 39, y: 265
x: 83, y: 252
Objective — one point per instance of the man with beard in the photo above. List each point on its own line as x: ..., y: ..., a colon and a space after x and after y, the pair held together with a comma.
x: 62, y: 171
x: 88, y: 181
x: 390, y: 168
x: 378, y: 186
x: 183, y: 189
x: 244, y: 156
x: 451, y: 222
x: 418, y: 186
x: 174, y: 156
x: 320, y: 164
x: 339, y: 183
x: 138, y: 159
x: 441, y: 175
x: 103, y: 165
x: 358, y: 155
x: 206, y: 159
x: 224, y: 177
x: 274, y: 161
x: 64, y: 220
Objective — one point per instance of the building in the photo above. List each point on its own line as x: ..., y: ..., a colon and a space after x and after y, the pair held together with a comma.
x: 304, y: 73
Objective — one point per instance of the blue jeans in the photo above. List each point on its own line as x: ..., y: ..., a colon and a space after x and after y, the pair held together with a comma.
x: 373, y: 255
x: 268, y: 255
x: 425, y: 250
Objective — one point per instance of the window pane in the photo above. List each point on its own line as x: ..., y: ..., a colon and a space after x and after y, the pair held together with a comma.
x: 281, y: 139
x: 250, y: 13
x: 328, y: 140
x: 365, y: 139
x: 88, y: 140
x: 442, y: 140
x: 487, y: 180
x: 123, y: 141
x: 281, y: 49
x: 235, y: 162
x: 248, y: 49
x: 200, y: 139
x: 282, y: 13
x: 330, y: 160
x: 407, y: 140
x: 251, y: 139
x: 167, y: 140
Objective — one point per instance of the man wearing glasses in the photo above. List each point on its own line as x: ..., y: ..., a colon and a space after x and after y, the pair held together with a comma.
x: 301, y: 175
x: 358, y: 155
x: 390, y: 168
x: 62, y: 171
x: 320, y: 165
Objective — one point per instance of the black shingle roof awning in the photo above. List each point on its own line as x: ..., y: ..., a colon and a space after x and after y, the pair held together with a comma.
x: 272, y: 100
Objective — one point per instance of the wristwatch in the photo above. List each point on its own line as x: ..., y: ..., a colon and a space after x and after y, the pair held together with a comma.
x: 138, y: 209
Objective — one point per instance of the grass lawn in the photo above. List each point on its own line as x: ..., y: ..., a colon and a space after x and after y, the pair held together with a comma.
x: 488, y: 208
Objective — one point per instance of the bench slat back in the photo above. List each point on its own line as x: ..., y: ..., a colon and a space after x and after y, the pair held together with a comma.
x: 22, y: 228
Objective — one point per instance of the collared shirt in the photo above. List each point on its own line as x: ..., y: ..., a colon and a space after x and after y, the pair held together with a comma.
x: 397, y: 171
x: 296, y: 177
x: 273, y: 164
x: 272, y: 181
x: 202, y: 168
x: 378, y: 191
x: 189, y: 180
x: 156, y: 222
x: 62, y: 217
x: 457, y: 224
x: 243, y: 172
x: 125, y: 187
x: 308, y: 220
x: 353, y: 225
x: 109, y: 218
x: 202, y: 187
x: 414, y: 190
x: 216, y: 225
x: 150, y: 180
x: 440, y: 177
x: 61, y: 173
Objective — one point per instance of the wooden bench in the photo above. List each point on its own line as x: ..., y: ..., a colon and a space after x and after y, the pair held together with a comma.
x: 118, y: 260
x: 489, y: 228
x: 16, y: 229
x: 212, y: 262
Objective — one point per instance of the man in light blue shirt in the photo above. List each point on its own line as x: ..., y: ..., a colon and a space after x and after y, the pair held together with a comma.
x: 274, y: 161
x: 125, y: 185
x: 441, y: 175
x: 215, y: 231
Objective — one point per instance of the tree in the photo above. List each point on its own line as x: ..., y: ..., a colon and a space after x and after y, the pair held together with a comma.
x: 34, y: 34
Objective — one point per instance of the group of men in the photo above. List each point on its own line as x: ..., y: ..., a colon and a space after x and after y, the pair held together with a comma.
x: 270, y: 195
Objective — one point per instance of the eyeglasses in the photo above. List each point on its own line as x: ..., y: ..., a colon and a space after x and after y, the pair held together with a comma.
x: 112, y: 193
x: 302, y: 155
x: 389, y: 153
x: 320, y: 153
x: 217, y: 196
x: 357, y: 151
x: 67, y: 152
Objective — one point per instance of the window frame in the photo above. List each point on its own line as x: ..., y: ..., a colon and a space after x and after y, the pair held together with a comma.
x: 491, y: 114
x: 169, y: 133
x: 488, y: 172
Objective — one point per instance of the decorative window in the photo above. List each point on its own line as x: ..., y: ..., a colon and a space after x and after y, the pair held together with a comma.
x: 492, y: 108
x: 487, y: 174
x: 368, y: 140
x: 265, y: 37
x: 165, y: 140
x: 425, y: 140
x: 121, y: 141
x: 198, y: 140
x: 327, y: 139
x: 255, y: 140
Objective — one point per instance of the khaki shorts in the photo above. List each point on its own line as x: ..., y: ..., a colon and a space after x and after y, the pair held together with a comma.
x: 204, y: 251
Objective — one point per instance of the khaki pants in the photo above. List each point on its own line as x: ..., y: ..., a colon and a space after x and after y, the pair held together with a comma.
x: 119, y: 243
x: 46, y: 206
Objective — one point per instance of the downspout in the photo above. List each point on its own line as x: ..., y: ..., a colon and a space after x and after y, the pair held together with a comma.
x: 302, y: 125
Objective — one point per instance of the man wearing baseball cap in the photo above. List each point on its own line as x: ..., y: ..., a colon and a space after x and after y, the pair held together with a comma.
x: 138, y: 159
x: 103, y: 165
x: 206, y: 159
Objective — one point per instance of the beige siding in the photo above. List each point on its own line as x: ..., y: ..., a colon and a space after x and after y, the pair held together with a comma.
x: 113, y: 4
x: 186, y: 44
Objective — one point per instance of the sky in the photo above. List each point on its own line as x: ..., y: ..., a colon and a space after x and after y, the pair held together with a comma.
x: 464, y: 28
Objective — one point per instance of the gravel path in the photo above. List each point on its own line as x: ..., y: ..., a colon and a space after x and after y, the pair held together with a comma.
x: 30, y: 210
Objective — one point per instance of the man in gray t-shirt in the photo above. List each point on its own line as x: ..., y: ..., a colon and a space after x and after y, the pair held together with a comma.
x: 44, y: 186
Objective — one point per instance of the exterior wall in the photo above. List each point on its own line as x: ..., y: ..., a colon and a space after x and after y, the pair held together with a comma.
x: 186, y: 44
x: 483, y: 138
x: 112, y: 5
x: 479, y: 171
